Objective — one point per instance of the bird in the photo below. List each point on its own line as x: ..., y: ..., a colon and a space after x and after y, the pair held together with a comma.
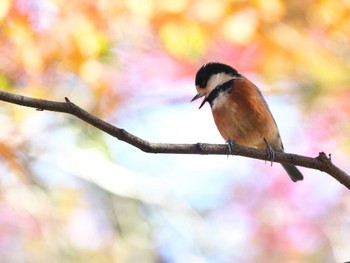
x: 240, y: 111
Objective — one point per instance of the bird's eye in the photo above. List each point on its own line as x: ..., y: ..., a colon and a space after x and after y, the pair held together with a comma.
x: 203, y: 84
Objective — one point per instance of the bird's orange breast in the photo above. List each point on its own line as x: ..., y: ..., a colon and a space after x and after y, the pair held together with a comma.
x: 243, y: 116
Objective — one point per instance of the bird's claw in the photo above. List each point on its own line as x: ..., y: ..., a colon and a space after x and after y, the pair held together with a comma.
x: 269, y: 152
x: 230, y: 147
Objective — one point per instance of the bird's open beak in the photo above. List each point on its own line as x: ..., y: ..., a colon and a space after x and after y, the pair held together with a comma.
x: 199, y: 96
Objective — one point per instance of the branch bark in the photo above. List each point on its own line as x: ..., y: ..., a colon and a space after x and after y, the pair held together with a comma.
x: 322, y: 162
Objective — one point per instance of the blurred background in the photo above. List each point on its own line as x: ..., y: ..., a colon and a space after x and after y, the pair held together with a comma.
x: 70, y: 193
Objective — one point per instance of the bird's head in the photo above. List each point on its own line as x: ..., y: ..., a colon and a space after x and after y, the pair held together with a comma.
x: 211, y: 75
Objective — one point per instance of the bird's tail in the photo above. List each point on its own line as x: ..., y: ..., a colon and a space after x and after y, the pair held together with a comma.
x: 293, y: 172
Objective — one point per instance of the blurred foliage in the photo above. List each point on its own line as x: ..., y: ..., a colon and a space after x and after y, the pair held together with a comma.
x: 103, y: 54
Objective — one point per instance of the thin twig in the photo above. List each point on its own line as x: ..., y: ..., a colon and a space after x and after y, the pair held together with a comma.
x: 322, y: 162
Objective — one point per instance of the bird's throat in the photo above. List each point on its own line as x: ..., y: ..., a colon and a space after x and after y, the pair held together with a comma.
x: 225, y: 87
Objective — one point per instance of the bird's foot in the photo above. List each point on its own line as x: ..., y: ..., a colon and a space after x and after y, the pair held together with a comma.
x: 270, y: 152
x: 230, y: 146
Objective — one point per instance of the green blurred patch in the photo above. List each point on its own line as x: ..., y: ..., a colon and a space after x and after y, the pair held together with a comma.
x: 183, y: 40
x: 5, y: 83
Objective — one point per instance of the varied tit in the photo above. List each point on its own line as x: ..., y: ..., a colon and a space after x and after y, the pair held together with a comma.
x: 240, y: 112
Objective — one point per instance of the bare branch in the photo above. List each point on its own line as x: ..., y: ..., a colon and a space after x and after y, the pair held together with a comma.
x: 322, y: 162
